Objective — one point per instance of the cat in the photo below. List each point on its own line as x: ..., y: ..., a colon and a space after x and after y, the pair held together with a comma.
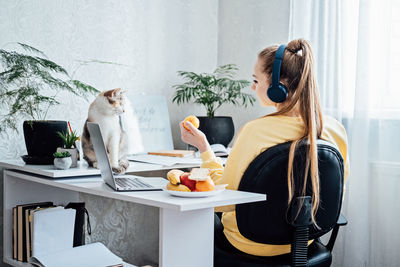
x: 107, y: 110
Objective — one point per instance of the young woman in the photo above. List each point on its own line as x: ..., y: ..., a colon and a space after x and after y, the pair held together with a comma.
x: 298, y: 116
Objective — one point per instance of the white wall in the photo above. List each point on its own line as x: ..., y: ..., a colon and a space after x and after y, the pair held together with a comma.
x: 244, y: 29
x: 153, y: 39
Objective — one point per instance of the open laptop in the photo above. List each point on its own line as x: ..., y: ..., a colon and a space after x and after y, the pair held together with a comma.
x: 120, y: 182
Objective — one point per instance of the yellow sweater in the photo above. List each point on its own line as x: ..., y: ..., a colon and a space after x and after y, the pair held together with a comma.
x: 254, y: 138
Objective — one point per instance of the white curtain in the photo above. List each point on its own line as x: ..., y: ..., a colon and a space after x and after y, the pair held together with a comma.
x: 357, y: 51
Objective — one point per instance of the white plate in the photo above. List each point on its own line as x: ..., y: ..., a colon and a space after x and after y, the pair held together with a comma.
x: 218, y: 189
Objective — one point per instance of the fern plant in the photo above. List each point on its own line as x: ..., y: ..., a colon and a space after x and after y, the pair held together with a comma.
x: 212, y: 90
x: 30, y: 83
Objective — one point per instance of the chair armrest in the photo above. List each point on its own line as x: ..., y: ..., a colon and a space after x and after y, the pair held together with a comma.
x: 340, y: 222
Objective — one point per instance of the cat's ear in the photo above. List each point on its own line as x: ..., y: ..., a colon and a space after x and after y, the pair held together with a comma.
x: 120, y: 92
x: 113, y: 92
x: 117, y: 92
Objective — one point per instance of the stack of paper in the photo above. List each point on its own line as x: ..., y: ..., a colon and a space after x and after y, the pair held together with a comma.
x: 164, y: 160
x: 91, y: 255
x: 22, y: 241
x: 173, y: 157
x: 53, y: 230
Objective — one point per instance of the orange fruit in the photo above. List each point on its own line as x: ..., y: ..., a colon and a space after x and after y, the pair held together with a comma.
x: 192, y: 119
x: 206, y: 185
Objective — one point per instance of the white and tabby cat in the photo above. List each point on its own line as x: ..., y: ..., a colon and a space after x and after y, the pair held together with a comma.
x: 106, y: 110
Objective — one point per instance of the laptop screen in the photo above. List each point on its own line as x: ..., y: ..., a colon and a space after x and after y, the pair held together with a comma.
x: 101, y: 154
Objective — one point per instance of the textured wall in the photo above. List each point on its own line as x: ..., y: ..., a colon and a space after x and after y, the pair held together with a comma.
x: 152, y: 39
x: 244, y: 29
x: 118, y: 225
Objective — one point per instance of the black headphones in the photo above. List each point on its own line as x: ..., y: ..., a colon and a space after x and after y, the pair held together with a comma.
x: 277, y: 92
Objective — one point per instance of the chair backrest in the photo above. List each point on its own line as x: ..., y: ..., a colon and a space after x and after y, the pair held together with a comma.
x: 267, y: 221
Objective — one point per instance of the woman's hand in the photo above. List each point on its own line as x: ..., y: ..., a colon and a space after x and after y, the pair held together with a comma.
x: 194, y: 137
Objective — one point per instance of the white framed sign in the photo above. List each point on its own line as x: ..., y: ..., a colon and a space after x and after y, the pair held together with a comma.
x: 151, y: 112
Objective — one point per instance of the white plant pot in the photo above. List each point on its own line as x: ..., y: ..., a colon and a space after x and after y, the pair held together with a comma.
x: 74, y: 155
x: 62, y: 163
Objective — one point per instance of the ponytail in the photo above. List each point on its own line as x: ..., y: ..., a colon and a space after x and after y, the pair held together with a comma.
x: 297, y: 73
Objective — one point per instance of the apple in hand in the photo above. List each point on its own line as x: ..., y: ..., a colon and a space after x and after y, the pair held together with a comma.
x: 186, y: 181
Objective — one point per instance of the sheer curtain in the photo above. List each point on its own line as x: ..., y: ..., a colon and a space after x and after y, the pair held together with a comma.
x: 356, y: 45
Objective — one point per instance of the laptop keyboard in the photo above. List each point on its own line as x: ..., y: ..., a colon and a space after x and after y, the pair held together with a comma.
x: 131, y: 183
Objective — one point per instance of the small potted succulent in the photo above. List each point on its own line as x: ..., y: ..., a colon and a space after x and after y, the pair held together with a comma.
x: 62, y: 160
x: 69, y: 139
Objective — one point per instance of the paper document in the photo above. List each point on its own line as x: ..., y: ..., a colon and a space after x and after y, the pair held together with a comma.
x: 220, y: 150
x: 164, y: 160
x: 91, y: 255
x: 167, y: 161
x: 53, y: 230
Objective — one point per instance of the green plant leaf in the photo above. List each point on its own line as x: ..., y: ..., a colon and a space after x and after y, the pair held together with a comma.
x: 83, y: 89
x: 29, y: 85
x: 64, y: 154
x: 50, y: 65
x: 31, y: 49
x: 68, y: 138
x: 212, y: 90
x: 86, y: 62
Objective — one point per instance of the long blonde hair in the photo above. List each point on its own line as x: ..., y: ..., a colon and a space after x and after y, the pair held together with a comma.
x: 297, y: 74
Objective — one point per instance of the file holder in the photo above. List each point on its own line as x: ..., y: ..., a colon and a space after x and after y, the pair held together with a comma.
x: 79, y: 236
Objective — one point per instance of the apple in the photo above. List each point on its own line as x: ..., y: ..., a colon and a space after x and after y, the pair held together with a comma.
x: 186, y: 181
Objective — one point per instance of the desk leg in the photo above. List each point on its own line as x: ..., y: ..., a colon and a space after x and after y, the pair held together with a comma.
x: 186, y: 238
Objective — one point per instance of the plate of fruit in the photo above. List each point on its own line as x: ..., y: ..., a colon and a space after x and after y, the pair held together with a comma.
x: 196, y: 183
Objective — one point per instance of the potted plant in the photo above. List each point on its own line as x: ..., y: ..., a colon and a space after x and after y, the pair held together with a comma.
x: 69, y: 138
x: 62, y: 160
x: 212, y: 90
x: 29, y: 85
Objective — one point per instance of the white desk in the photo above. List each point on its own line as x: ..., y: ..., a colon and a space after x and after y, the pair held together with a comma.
x: 186, y: 224
x: 83, y: 169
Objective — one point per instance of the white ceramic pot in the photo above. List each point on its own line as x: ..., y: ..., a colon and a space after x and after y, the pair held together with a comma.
x: 74, y: 155
x: 62, y: 163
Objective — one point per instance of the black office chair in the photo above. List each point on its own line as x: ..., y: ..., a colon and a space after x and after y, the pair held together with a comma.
x: 271, y: 222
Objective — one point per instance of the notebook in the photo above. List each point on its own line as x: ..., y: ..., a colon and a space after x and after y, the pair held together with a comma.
x: 21, y: 229
x: 53, y: 230
x: 91, y: 255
